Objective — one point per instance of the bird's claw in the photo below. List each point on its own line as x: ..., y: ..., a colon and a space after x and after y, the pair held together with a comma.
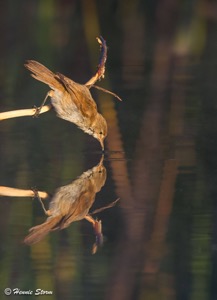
x: 35, y: 192
x: 37, y: 111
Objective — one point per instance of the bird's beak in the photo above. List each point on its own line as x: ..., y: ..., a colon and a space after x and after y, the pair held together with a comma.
x: 102, y: 144
x: 100, y: 164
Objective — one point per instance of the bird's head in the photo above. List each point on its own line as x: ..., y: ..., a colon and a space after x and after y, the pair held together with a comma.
x: 99, y: 129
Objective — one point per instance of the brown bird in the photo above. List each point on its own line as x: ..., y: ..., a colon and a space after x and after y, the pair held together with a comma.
x: 73, y: 101
x: 71, y: 203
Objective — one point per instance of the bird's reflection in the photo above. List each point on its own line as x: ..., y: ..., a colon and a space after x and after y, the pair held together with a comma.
x: 70, y: 203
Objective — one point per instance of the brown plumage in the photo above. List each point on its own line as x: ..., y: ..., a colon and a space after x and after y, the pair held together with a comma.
x: 70, y: 203
x: 72, y: 101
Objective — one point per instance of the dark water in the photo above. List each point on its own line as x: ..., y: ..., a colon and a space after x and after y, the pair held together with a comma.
x: 160, y: 238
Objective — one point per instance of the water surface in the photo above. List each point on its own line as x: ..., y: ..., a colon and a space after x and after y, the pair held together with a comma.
x: 160, y: 238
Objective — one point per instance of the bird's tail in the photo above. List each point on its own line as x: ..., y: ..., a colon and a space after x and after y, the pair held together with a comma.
x: 37, y: 233
x: 42, y: 74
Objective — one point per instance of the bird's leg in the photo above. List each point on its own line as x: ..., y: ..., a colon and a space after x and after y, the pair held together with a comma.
x: 36, y: 195
x: 38, y: 109
x: 97, y: 225
x: 90, y: 219
x: 47, y: 212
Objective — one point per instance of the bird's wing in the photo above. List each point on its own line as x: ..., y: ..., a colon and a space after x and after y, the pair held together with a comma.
x: 80, y: 95
x: 79, y: 210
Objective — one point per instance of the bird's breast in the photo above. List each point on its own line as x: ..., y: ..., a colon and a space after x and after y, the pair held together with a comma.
x: 65, y: 107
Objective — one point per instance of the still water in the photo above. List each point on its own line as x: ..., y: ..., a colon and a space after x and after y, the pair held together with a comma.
x: 158, y: 241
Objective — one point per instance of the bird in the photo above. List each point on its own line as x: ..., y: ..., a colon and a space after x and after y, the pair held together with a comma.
x: 72, y: 101
x: 71, y: 203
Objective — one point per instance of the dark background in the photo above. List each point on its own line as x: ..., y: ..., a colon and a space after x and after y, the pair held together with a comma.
x: 160, y: 239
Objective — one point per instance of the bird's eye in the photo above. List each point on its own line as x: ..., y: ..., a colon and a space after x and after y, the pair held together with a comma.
x: 100, y: 132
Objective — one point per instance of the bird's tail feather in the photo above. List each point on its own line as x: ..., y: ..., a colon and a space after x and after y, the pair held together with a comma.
x: 42, y: 74
x: 37, y: 233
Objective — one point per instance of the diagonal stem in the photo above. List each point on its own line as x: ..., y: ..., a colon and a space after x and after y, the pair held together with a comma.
x: 101, y: 65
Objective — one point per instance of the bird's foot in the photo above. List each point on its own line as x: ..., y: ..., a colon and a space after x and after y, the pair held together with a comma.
x: 35, y: 192
x: 37, y: 111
